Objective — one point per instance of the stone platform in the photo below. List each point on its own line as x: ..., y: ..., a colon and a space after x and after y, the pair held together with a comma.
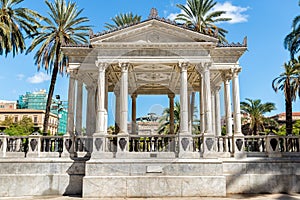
x: 154, y: 178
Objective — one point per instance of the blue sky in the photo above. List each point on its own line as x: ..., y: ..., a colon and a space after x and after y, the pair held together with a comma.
x: 264, y: 22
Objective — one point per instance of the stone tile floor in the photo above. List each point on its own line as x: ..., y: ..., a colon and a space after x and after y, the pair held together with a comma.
x: 251, y: 197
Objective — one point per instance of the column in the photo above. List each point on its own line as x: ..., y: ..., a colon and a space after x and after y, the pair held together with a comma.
x: 201, y: 98
x: 71, y: 102
x: 171, y: 107
x: 183, y: 99
x: 88, y: 123
x: 123, y: 140
x: 217, y: 111
x: 124, y: 98
x: 236, y: 102
x: 207, y: 99
x: 78, y: 128
x: 117, y: 112
x: 213, y: 111
x: 101, y: 112
x: 227, y: 102
x: 133, y: 114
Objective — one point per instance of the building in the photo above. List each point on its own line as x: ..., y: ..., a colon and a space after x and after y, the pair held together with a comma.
x: 37, y: 117
x: 38, y: 100
x: 8, y: 104
x: 280, y: 118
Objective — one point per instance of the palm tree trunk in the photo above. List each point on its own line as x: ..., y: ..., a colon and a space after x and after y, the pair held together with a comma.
x: 51, y: 90
x: 289, y: 116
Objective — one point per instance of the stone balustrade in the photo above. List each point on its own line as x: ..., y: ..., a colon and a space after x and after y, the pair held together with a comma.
x: 221, y: 146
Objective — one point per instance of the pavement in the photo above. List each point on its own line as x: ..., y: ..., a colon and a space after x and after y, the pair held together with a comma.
x: 246, y: 196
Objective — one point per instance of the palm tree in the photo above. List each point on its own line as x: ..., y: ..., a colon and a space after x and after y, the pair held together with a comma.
x: 123, y: 20
x: 198, y: 15
x: 164, y: 121
x: 63, y: 27
x: 256, y: 109
x: 14, y: 20
x: 287, y: 82
x: 292, y: 40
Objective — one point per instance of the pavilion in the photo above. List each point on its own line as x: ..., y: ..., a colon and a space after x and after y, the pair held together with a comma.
x: 155, y: 56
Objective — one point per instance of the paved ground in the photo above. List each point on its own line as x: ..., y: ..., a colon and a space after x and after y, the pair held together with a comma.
x: 251, y: 197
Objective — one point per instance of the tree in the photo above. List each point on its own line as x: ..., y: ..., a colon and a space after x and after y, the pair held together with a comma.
x: 123, y: 20
x: 14, y: 20
x: 23, y: 127
x: 287, y: 82
x: 62, y: 28
x: 292, y: 40
x: 198, y: 15
x: 164, y: 127
x: 256, y: 109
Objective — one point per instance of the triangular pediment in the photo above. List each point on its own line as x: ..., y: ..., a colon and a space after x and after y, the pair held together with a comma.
x: 153, y: 31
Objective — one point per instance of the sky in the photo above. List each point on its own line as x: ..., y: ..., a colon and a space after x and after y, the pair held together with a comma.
x: 264, y: 22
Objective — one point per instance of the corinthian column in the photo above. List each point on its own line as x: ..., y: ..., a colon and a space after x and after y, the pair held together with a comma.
x: 207, y: 99
x: 101, y: 112
x: 79, y: 108
x: 227, y: 101
x: 184, y: 117
x: 236, y: 101
x: 171, y: 107
x: 217, y: 111
x: 71, y: 102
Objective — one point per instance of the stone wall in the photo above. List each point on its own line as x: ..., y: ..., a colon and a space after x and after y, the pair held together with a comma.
x: 36, y: 177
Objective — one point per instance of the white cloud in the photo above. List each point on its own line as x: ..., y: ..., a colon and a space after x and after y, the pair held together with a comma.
x: 20, y: 77
x: 236, y: 13
x: 39, y: 78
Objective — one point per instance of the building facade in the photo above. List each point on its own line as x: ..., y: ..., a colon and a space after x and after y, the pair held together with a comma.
x: 38, y: 100
x: 4, y: 105
x: 37, y: 117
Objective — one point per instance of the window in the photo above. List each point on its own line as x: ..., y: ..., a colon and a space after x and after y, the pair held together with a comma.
x: 16, y: 119
x: 35, y: 119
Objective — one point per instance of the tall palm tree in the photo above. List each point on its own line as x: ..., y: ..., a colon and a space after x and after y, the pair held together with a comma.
x: 287, y: 82
x: 164, y: 121
x: 198, y: 15
x: 63, y: 27
x: 292, y: 40
x: 256, y: 109
x: 123, y: 20
x: 14, y: 20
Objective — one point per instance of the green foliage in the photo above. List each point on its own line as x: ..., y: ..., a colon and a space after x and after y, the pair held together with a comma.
x: 123, y: 20
x: 198, y: 15
x: 63, y: 27
x: 256, y: 110
x: 13, y: 20
x: 22, y: 128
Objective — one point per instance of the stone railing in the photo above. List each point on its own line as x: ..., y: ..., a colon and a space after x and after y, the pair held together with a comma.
x: 64, y: 146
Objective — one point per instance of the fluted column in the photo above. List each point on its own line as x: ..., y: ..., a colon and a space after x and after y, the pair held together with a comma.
x: 217, y: 111
x: 227, y: 100
x: 171, y: 107
x: 78, y: 128
x: 88, y: 111
x: 236, y: 101
x: 133, y: 114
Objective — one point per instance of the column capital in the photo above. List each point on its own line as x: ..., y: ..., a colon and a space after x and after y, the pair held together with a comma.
x: 183, y: 65
x: 226, y: 75
x: 217, y: 88
x: 124, y: 66
x: 102, y: 66
x: 236, y: 71
x: 134, y: 96
x: 202, y: 66
x: 171, y: 95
